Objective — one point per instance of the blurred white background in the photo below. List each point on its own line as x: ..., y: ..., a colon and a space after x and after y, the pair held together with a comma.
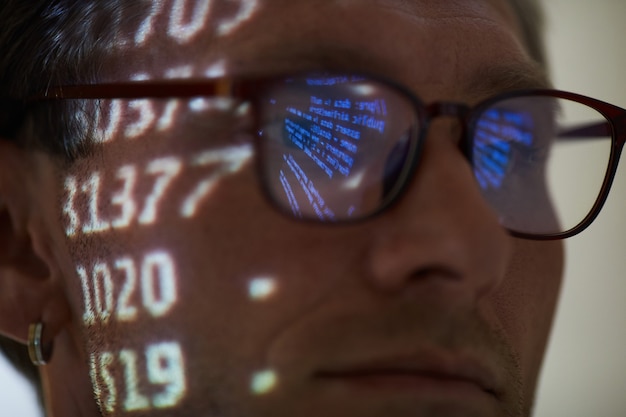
x: 16, y: 397
x: 585, y: 369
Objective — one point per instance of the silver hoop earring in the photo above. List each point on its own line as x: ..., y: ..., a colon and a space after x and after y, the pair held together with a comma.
x: 39, y: 354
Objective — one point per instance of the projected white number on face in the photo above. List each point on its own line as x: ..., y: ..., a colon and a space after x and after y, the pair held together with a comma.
x: 162, y: 365
x: 157, y: 281
x: 145, y: 212
x: 144, y: 288
x: 184, y: 21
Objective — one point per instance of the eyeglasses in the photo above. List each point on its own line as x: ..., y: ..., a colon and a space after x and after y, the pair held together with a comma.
x: 337, y: 147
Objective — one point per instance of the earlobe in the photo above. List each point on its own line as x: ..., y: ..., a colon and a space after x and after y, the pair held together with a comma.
x: 29, y: 291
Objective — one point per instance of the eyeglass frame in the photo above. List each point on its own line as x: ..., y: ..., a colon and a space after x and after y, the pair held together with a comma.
x: 247, y: 89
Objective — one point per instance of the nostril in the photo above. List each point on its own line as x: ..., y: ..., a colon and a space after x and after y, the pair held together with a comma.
x: 438, y: 272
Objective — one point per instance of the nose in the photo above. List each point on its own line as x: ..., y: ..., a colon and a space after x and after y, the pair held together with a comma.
x: 441, y: 231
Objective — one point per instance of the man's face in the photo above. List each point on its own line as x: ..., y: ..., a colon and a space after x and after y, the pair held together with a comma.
x: 197, y: 296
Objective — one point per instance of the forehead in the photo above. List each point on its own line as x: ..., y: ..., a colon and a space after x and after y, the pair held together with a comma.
x: 201, y: 37
x: 456, y: 50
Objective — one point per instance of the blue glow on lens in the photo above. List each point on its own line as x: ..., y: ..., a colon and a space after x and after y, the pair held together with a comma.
x: 325, y: 125
x: 500, y: 133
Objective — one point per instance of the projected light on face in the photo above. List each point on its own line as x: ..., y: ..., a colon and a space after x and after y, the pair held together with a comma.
x: 183, y: 30
x: 328, y: 147
x: 263, y: 382
x: 218, y: 69
x: 149, y: 206
x: 160, y: 366
x: 185, y: 21
x: 131, y: 292
x: 127, y: 290
x: 261, y: 289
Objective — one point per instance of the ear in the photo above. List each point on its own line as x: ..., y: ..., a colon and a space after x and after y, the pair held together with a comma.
x: 31, y: 289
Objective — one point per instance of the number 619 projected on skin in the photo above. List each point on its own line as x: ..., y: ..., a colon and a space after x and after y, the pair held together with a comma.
x: 130, y: 380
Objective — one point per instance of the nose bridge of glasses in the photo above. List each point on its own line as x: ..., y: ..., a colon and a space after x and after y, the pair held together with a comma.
x: 447, y: 109
x: 458, y: 111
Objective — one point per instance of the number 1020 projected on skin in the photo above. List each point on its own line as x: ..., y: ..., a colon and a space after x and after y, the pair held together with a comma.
x: 110, y: 290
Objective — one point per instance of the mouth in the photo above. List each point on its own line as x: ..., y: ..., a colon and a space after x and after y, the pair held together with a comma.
x: 431, y: 376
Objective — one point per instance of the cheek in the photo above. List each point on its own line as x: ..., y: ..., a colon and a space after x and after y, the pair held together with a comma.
x: 178, y: 260
x: 150, y: 279
x: 526, y: 300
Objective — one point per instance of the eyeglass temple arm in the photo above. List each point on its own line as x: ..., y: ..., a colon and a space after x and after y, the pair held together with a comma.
x: 11, y: 115
x: 592, y: 130
x: 601, y: 129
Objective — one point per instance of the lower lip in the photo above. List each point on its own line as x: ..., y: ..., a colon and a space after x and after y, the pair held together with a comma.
x: 414, y: 383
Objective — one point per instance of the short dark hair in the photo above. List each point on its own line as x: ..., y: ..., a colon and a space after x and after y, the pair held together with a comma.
x: 61, y: 50
x: 45, y: 43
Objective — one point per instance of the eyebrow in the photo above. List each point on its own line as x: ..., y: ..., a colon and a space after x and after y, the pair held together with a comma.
x: 483, y: 82
x: 292, y: 58
x: 490, y: 80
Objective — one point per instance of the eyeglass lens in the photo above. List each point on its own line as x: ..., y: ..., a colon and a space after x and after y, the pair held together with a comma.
x: 536, y: 166
x: 342, y: 148
x: 335, y: 148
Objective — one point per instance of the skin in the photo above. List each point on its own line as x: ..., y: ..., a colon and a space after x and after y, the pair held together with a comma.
x: 433, y: 280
